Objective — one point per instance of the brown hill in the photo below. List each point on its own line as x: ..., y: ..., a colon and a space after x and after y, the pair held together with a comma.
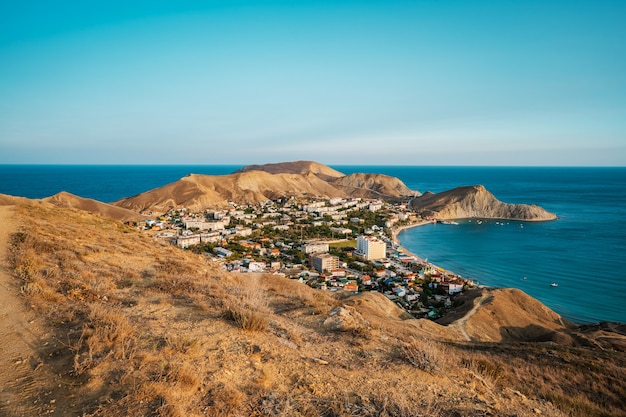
x: 298, y: 167
x: 509, y: 315
x: 475, y: 202
x: 257, y: 183
x: 100, y: 320
x: 198, y: 192
x: 67, y: 200
x: 9, y: 200
x: 373, y: 186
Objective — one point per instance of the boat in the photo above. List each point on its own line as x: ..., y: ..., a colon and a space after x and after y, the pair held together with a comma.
x: 554, y: 284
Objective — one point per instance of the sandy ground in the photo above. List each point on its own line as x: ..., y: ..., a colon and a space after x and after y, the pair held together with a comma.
x: 22, y: 371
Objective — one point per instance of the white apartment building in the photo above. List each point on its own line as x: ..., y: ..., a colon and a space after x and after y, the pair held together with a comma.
x: 315, y: 247
x: 371, y: 247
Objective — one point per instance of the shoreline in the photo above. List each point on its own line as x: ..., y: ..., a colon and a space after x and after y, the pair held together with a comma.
x: 395, y: 231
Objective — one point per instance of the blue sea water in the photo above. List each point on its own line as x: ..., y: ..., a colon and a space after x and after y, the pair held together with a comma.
x: 584, y: 251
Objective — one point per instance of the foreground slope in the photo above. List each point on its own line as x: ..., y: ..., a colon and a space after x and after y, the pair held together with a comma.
x: 128, y: 326
x: 475, y: 202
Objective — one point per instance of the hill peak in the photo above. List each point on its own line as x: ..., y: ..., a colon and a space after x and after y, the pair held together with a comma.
x: 296, y: 167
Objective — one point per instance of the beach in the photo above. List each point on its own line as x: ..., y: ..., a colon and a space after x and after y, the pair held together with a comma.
x: 395, y: 231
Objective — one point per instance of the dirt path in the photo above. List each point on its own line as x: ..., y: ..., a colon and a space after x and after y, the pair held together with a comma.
x: 460, y: 323
x: 23, y: 376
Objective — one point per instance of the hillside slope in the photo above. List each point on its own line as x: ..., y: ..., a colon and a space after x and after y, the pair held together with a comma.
x: 373, y: 186
x: 67, y: 200
x: 129, y: 326
x: 198, y: 192
x: 475, y: 202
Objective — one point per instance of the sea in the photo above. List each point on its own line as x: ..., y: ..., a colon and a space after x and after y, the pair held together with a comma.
x: 583, y: 252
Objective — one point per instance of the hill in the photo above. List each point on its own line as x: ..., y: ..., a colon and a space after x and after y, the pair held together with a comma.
x: 198, y: 192
x: 373, y: 186
x: 259, y: 183
x: 9, y: 200
x: 100, y: 320
x: 475, y: 202
x: 67, y: 200
x: 298, y: 167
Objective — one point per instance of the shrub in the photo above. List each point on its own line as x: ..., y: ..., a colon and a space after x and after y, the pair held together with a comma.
x: 247, y: 319
x: 426, y: 355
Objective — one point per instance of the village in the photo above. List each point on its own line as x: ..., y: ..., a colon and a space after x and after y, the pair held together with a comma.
x: 339, y: 244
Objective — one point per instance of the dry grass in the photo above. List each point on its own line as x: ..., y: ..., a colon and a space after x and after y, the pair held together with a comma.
x: 425, y: 354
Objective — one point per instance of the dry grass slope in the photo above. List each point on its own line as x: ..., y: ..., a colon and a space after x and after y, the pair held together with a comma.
x: 137, y: 328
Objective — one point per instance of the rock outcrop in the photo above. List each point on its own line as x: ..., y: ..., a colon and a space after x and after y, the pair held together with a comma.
x: 475, y: 202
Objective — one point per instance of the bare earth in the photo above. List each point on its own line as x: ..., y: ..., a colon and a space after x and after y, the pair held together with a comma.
x: 17, y: 340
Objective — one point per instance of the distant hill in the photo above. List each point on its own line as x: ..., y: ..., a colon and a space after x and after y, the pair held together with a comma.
x: 373, y: 186
x: 475, y: 202
x: 198, y: 192
x: 67, y: 200
x: 297, y: 167
x: 9, y: 200
x: 258, y: 183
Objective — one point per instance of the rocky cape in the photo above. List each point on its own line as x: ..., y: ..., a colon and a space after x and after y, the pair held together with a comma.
x: 475, y: 202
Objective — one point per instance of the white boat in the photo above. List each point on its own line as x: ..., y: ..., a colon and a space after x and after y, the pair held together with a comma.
x: 554, y: 284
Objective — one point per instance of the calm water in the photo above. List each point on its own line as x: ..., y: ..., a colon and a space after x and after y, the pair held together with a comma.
x: 584, y: 251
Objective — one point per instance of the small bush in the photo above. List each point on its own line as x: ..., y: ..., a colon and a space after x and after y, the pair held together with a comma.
x: 247, y: 319
x: 426, y: 355
x: 488, y: 369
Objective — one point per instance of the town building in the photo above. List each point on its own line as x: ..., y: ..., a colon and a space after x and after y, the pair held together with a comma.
x: 324, y: 262
x: 371, y: 248
x: 315, y: 247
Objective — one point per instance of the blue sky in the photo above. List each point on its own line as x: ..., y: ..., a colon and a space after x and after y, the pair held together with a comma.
x: 350, y: 82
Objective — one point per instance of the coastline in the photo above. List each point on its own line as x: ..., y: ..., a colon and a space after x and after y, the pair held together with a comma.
x: 395, y: 232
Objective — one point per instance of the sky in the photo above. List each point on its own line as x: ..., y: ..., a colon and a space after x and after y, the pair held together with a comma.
x: 420, y: 82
